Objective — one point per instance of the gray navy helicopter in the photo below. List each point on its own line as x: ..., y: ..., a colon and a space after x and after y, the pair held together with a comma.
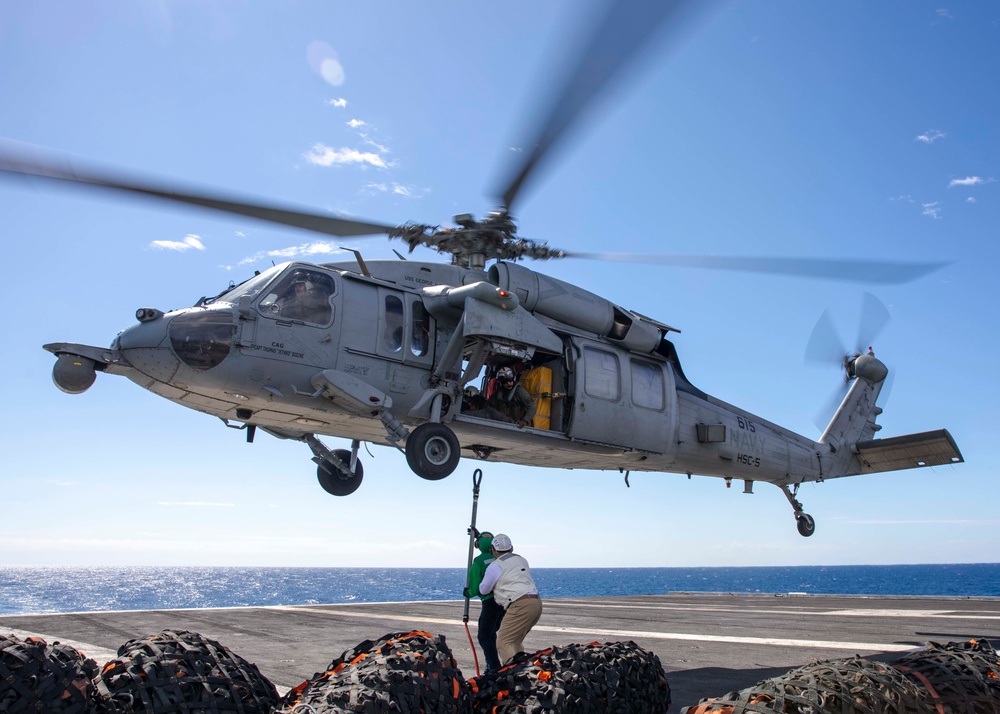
x: 384, y: 351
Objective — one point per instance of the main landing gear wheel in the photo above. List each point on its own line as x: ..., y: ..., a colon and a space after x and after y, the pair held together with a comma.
x: 336, y: 482
x: 432, y: 451
x: 805, y: 523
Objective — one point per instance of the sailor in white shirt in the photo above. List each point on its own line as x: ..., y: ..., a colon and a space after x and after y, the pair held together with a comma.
x: 509, y: 579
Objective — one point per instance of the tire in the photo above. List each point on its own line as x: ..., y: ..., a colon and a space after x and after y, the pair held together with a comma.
x: 805, y: 524
x: 432, y: 451
x: 334, y: 481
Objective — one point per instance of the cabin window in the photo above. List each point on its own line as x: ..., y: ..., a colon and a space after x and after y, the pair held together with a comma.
x: 302, y: 295
x: 392, y: 336
x: 420, y: 339
x: 647, y: 385
x: 602, y: 375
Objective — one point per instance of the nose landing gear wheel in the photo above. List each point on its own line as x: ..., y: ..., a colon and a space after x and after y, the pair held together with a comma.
x: 805, y: 523
x: 432, y: 451
x: 334, y: 481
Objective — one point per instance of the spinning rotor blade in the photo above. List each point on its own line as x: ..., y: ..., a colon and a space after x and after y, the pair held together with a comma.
x: 859, y: 271
x: 825, y: 347
x: 621, y: 31
x: 35, y: 163
x: 874, y: 317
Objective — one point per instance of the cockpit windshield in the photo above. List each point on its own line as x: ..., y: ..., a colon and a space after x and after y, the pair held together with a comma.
x: 251, y: 287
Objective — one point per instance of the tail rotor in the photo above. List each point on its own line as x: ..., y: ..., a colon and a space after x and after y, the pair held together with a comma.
x: 826, y: 348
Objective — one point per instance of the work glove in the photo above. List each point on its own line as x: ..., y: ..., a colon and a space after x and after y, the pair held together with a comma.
x: 473, y: 531
x: 465, y: 593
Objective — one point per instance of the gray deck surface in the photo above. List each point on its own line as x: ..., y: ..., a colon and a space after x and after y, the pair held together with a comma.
x: 709, y: 644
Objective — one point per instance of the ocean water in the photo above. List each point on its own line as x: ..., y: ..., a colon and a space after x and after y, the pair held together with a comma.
x: 40, y: 589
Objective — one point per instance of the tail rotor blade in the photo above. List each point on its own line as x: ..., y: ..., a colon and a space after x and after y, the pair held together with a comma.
x: 830, y: 405
x: 874, y: 317
x: 825, y: 346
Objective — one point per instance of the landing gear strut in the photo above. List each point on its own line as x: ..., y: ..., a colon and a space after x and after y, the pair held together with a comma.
x: 339, y: 472
x: 432, y: 451
x: 803, y: 521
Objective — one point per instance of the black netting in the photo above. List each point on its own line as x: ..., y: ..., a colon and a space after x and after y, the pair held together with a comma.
x: 843, y: 686
x: 181, y: 671
x: 593, y: 679
x: 960, y: 676
x: 38, y: 677
x: 406, y: 672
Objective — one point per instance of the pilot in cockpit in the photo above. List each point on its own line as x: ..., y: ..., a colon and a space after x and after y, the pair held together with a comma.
x: 305, y: 300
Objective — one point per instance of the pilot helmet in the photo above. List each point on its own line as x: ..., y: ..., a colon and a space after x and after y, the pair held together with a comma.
x: 471, y: 392
x: 505, y: 374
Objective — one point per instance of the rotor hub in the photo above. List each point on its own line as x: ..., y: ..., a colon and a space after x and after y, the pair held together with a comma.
x: 476, y: 241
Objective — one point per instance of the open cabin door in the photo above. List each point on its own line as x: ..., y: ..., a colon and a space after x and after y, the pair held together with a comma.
x: 621, y: 399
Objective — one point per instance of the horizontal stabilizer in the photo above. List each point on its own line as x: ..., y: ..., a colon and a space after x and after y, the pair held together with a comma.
x: 931, y: 448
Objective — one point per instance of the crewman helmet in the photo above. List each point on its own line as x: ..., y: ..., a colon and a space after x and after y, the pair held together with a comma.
x: 501, y: 543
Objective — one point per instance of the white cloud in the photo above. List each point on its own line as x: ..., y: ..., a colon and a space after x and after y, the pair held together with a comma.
x: 943, y: 12
x: 967, y: 181
x: 970, y: 199
x: 355, y: 123
x: 932, y: 209
x: 323, y: 155
x: 341, y: 102
x: 316, y: 248
x: 929, y: 137
x: 394, y: 188
x: 381, y: 148
x: 190, y: 241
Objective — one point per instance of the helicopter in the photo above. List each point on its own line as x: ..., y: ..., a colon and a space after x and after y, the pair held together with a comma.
x: 382, y: 352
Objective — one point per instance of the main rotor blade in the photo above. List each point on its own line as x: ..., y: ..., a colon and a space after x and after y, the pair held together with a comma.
x: 56, y: 168
x: 620, y: 32
x: 858, y: 271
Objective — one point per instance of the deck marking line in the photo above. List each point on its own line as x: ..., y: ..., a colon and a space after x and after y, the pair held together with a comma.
x: 937, y: 614
x: 778, y: 642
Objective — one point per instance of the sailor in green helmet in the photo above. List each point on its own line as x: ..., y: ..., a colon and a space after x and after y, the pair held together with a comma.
x: 490, y: 614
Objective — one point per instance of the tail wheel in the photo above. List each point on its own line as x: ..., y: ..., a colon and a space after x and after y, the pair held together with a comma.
x: 336, y: 482
x: 805, y: 523
x: 432, y: 451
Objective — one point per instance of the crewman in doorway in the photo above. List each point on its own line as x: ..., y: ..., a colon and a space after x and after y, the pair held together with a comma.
x: 511, y: 399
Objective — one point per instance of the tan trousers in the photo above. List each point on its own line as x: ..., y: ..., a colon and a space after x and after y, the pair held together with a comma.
x: 520, y: 617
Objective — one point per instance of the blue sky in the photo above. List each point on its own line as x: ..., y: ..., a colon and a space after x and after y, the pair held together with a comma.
x: 848, y: 130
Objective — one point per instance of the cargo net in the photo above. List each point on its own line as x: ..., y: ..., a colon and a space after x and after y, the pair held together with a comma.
x: 181, y: 671
x: 958, y: 677
x: 406, y: 672
x: 842, y: 686
x: 612, y: 677
x: 38, y: 677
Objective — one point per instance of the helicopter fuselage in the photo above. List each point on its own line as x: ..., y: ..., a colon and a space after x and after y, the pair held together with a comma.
x: 371, y: 351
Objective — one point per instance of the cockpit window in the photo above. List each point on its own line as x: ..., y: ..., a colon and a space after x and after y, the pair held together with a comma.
x: 303, y: 295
